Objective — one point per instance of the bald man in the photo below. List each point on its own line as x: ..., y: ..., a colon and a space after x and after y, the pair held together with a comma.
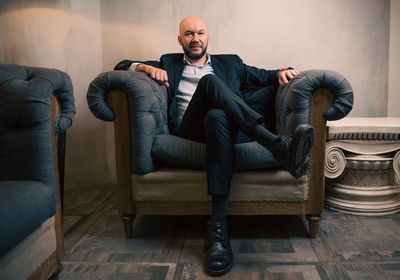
x: 205, y: 105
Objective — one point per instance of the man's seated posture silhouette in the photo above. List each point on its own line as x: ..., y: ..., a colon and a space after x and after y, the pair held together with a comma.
x: 205, y: 105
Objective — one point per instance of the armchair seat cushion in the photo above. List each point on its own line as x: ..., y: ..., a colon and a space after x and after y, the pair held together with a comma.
x: 24, y: 206
x: 176, y: 151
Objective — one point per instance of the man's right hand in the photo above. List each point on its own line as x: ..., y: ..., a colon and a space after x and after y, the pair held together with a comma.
x: 156, y: 74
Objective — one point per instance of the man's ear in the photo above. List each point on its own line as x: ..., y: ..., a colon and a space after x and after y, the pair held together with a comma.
x: 179, y: 40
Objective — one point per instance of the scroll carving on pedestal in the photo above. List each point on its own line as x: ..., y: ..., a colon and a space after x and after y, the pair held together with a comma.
x: 335, y: 162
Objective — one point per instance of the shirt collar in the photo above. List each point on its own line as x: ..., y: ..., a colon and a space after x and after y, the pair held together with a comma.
x: 186, y: 62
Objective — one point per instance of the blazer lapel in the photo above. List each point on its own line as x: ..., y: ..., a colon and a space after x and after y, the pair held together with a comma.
x: 178, y: 71
x: 177, y: 67
x: 218, y: 69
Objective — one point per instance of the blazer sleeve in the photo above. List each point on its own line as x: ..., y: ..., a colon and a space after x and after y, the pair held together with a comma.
x: 253, y: 76
x: 125, y: 64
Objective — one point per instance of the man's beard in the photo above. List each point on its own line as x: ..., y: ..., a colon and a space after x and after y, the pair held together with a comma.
x: 193, y: 56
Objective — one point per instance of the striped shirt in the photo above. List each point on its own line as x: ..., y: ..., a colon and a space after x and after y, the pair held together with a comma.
x: 188, y: 84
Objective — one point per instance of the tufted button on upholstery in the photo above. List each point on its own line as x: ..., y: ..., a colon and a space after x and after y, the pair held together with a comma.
x: 28, y: 75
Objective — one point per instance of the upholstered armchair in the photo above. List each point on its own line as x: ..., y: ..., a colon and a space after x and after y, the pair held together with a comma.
x: 162, y: 174
x: 36, y: 104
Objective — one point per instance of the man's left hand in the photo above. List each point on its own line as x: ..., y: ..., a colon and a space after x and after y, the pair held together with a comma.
x: 286, y: 75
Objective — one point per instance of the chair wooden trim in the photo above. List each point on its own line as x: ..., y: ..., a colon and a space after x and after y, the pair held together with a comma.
x: 128, y: 208
x: 51, y: 266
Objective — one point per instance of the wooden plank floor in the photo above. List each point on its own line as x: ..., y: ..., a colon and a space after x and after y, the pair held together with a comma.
x: 265, y: 247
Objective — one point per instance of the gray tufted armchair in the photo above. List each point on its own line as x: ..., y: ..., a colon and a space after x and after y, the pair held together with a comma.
x: 36, y: 104
x: 159, y: 173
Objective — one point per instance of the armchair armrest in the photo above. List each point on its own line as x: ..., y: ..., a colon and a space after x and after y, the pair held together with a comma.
x: 41, y: 83
x: 146, y: 109
x: 63, y: 92
x: 293, y: 101
x: 26, y: 94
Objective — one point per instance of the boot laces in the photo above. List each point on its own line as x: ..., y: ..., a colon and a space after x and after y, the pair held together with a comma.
x: 217, y: 233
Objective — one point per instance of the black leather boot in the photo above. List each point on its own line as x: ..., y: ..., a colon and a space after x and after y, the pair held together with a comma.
x: 292, y: 151
x: 219, y: 258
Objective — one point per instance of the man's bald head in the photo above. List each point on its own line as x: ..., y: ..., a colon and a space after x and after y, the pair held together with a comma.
x: 190, y: 22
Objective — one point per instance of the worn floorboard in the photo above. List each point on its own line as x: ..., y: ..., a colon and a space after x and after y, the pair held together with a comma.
x: 265, y: 247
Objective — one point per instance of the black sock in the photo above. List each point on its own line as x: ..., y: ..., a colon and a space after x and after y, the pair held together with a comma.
x: 263, y: 136
x: 219, y: 206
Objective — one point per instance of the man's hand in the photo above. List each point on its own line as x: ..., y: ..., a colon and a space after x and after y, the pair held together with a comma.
x: 156, y: 74
x: 286, y: 75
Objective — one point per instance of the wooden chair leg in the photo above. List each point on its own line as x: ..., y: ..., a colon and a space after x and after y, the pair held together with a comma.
x: 57, y: 272
x: 313, y: 221
x: 127, y: 219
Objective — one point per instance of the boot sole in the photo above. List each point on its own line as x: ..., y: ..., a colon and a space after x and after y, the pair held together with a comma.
x: 303, y: 141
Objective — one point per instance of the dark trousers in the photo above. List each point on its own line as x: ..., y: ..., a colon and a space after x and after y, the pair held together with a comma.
x: 214, y: 116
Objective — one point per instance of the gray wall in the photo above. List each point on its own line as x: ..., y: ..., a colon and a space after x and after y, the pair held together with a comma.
x: 85, y: 38
x: 394, y: 60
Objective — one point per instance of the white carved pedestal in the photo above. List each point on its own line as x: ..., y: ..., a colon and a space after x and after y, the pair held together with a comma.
x: 362, y: 166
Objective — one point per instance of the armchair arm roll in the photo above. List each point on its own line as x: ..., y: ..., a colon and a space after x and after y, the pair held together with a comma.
x: 147, y: 111
x: 293, y: 101
x: 63, y: 91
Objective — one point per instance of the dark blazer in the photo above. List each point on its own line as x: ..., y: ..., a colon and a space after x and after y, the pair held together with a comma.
x: 229, y: 68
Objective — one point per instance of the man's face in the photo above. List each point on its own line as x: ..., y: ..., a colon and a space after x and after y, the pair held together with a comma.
x: 193, y: 38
